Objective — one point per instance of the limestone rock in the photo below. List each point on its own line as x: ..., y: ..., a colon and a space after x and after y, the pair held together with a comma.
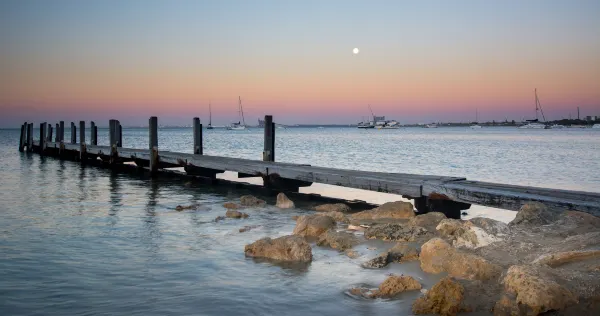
x: 247, y: 228
x: 403, y: 252
x: 395, y: 285
x: 235, y: 214
x: 396, y: 210
x: 180, y: 208
x: 283, y: 201
x: 338, y: 240
x: 337, y: 216
x: 560, y: 258
x: 534, y: 213
x: 286, y: 248
x: 313, y: 225
x: 249, y: 200
x: 467, y: 234
x: 428, y: 220
x: 439, y: 256
x: 377, y: 262
x: 231, y: 206
x: 490, y: 226
x: 449, y: 227
x: 444, y: 298
x: 535, y: 291
x: 337, y: 207
x: 396, y: 232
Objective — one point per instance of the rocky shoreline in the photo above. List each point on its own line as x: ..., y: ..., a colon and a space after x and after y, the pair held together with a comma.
x: 542, y: 262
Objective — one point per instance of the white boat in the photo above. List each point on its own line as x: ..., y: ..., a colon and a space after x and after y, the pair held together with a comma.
x: 366, y: 125
x: 596, y: 126
x: 476, y: 124
x: 432, y: 125
x: 209, y: 117
x: 557, y: 126
x: 389, y: 125
x: 535, y: 124
x: 240, y: 125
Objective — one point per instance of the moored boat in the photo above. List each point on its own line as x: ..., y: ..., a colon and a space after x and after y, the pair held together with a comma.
x: 240, y: 125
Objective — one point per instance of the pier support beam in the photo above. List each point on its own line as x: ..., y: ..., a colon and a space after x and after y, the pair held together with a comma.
x: 73, y: 133
x: 93, y: 134
x: 153, y: 144
x: 57, y: 136
x: 42, y: 144
x: 119, y: 134
x: 269, y: 149
x: 49, y: 136
x: 82, y: 147
x: 197, y: 136
x: 23, y: 137
x: 30, y: 137
x: 275, y: 182
x: 62, y: 131
x: 440, y: 203
x: 113, y: 137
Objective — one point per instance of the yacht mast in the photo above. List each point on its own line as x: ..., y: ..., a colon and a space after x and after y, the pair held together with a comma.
x: 241, y: 111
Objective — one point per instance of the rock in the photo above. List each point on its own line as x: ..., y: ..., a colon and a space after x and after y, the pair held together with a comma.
x: 394, y: 210
x: 295, y: 217
x: 235, y: 214
x: 352, y: 254
x: 337, y: 216
x: 439, y: 256
x: 403, y: 252
x: 560, y: 258
x: 444, y: 298
x: 396, y: 232
x: 395, y: 285
x: 247, y: 228
x: 231, y: 206
x: 467, y: 234
x: 377, y: 262
x: 286, y: 248
x: 338, y: 240
x: 249, y: 200
x: 490, y: 226
x: 220, y: 218
x: 534, y: 213
x: 582, y: 218
x: 187, y: 207
x: 428, y: 220
x: 337, y: 207
x: 448, y: 227
x: 313, y: 225
x: 508, y: 306
x: 283, y: 201
x: 535, y: 291
x: 362, y: 292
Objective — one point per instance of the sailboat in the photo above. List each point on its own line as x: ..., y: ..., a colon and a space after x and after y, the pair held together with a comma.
x: 209, y: 117
x: 476, y: 125
x: 535, y: 124
x: 240, y: 125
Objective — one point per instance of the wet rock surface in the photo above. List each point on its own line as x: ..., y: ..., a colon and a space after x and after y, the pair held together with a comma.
x: 428, y: 220
x: 231, y: 206
x: 395, y: 285
x: 286, y: 248
x: 534, y: 213
x: 313, y: 225
x: 444, y: 298
x: 284, y: 202
x: 336, y: 207
x: 397, y: 210
x: 235, y: 214
x: 338, y: 240
x: 249, y: 200
x: 396, y: 232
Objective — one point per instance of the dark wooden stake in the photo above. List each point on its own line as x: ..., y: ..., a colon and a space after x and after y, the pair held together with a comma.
x: 23, y: 137
x: 119, y: 134
x: 42, y: 144
x: 49, y: 136
x: 57, y: 137
x: 269, y: 150
x: 153, y: 144
x: 93, y: 134
x: 62, y: 131
x: 82, y: 147
x: 197, y: 136
x: 30, y: 137
x: 73, y: 133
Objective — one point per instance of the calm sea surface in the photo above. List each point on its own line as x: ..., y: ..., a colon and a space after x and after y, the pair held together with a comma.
x: 87, y: 241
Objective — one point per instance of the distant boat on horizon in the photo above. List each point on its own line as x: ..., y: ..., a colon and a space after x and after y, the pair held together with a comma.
x: 240, y: 125
x: 535, y: 124
x: 476, y: 125
x: 209, y: 117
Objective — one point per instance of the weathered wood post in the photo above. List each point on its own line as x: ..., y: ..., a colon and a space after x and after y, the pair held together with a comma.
x: 42, y: 144
x: 57, y: 137
x: 23, y: 137
x: 73, y: 133
x: 153, y: 144
x: 119, y: 135
x: 93, y: 134
x: 49, y: 136
x: 197, y: 136
x: 269, y: 150
x: 82, y: 147
x: 62, y: 131
x: 112, y: 135
x: 30, y: 137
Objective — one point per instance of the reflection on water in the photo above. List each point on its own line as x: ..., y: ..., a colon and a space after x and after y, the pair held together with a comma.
x: 77, y: 240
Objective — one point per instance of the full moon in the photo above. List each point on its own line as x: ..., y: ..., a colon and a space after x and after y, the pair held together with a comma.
x: 355, y: 51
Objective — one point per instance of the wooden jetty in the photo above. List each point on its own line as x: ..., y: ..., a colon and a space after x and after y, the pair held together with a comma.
x: 449, y: 195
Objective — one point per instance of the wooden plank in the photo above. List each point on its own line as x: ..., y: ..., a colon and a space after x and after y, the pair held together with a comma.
x: 197, y: 136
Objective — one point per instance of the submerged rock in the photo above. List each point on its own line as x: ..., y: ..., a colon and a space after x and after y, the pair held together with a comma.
x: 438, y: 256
x: 534, y: 213
x: 401, y: 252
x: 535, y: 292
x: 338, y: 240
x: 313, y: 225
x: 231, y: 206
x: 395, y: 285
x: 286, y: 248
x: 247, y: 228
x: 444, y: 298
x: 249, y: 200
x: 220, y: 218
x: 396, y: 232
x: 394, y: 210
x: 283, y: 201
x: 235, y: 214
x: 337, y: 207
x: 187, y: 207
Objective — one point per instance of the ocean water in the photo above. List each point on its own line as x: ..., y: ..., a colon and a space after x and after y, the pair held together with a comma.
x: 87, y: 241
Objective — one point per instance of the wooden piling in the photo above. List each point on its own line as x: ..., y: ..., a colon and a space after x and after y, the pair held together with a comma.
x: 119, y: 135
x: 30, y: 137
x: 57, y: 136
x: 111, y: 133
x: 82, y: 147
x: 49, y: 136
x: 42, y: 143
x: 73, y: 133
x: 93, y: 134
x: 153, y: 144
x: 62, y: 131
x: 197, y: 136
x: 23, y: 137
x: 269, y: 149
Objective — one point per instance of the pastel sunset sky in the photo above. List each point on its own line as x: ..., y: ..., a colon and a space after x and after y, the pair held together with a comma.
x: 419, y: 61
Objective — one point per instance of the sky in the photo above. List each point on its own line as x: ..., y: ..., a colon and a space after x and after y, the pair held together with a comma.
x: 419, y: 61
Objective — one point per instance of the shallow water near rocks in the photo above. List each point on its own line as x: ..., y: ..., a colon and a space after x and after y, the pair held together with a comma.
x: 79, y: 240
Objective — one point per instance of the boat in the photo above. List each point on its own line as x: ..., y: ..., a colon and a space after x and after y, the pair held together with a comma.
x: 366, y: 125
x: 536, y: 124
x: 389, y: 125
x: 596, y: 126
x: 476, y: 123
x: 209, y: 117
x: 556, y: 126
x: 432, y: 125
x: 240, y: 125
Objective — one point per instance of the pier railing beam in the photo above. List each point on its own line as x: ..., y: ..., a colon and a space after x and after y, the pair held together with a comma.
x: 73, y: 133
x: 197, y: 136
x: 153, y: 144
x: 82, y: 147
x: 269, y: 149
x: 23, y: 137
x: 93, y: 134
x: 30, y: 137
